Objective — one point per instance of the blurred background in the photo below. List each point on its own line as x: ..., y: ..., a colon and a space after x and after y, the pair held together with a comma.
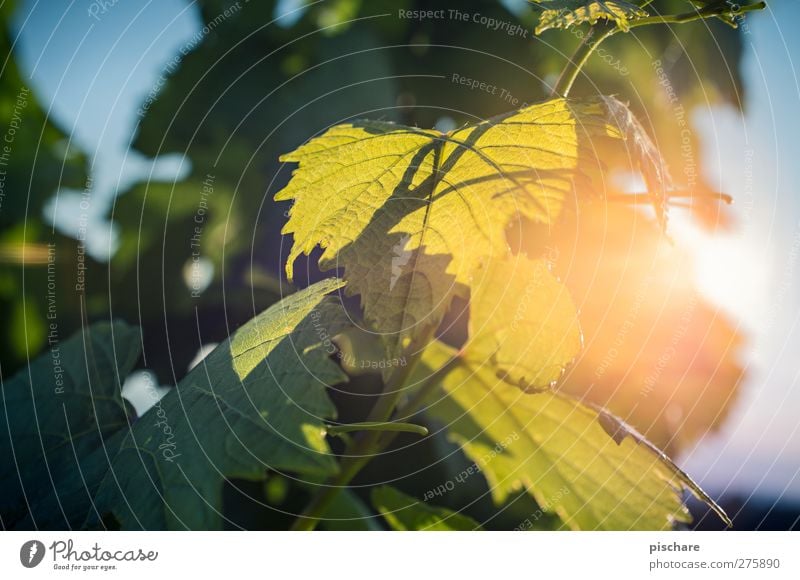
x: 140, y: 158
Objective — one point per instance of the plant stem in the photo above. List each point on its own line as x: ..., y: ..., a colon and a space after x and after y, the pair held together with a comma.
x: 692, y: 16
x: 365, y: 445
x: 591, y: 41
x: 599, y: 32
x: 349, y: 467
x: 391, y: 427
x: 424, y: 390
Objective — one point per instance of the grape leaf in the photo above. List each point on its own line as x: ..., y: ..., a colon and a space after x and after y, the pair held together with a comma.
x: 566, y: 13
x: 523, y: 321
x: 57, y: 411
x: 411, y: 214
x: 348, y: 513
x: 405, y: 513
x: 589, y: 468
x: 257, y: 401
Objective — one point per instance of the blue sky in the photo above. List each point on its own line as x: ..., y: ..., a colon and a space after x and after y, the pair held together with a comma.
x: 754, y: 272
x: 94, y: 72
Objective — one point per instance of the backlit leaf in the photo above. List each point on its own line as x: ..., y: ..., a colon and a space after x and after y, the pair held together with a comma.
x: 411, y: 214
x: 656, y: 353
x: 522, y: 321
x: 559, y: 450
x: 405, y: 513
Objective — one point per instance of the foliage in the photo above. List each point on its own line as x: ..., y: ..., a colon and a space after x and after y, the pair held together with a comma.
x: 256, y: 402
x: 439, y: 204
x: 431, y: 229
x: 641, y: 312
x: 558, y: 450
x: 404, y: 513
x: 59, y: 413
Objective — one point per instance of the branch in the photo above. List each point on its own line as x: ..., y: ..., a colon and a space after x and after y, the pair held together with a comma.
x: 364, y: 447
x: 578, y: 60
x: 599, y: 32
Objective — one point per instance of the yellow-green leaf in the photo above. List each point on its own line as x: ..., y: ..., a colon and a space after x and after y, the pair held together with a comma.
x: 589, y: 468
x: 405, y: 513
x: 411, y: 214
x: 523, y: 321
x: 566, y: 13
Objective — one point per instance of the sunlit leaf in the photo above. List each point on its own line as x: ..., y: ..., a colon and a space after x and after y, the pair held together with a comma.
x: 557, y: 449
x: 523, y: 322
x: 405, y: 513
x: 257, y: 402
x: 656, y: 352
x: 411, y: 214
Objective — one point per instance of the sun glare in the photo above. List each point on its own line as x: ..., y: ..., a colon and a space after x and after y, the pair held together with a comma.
x: 731, y: 270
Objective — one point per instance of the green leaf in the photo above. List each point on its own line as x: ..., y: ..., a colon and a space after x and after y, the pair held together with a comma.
x: 412, y: 214
x: 566, y: 13
x: 58, y: 411
x: 523, y: 321
x: 257, y: 402
x: 348, y: 513
x: 559, y: 450
x: 405, y: 513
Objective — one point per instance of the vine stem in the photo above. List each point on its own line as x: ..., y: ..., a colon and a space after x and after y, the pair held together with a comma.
x: 692, y: 16
x: 598, y: 33
x: 364, y: 446
x: 414, y: 405
x: 588, y: 45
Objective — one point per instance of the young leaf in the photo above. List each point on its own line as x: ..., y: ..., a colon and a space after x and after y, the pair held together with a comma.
x: 58, y: 411
x: 522, y: 319
x: 559, y: 450
x: 411, y: 214
x: 405, y: 513
x: 257, y: 401
x: 566, y: 13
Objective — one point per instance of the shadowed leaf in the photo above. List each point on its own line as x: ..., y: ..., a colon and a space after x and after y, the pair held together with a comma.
x: 57, y: 412
x: 257, y: 402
